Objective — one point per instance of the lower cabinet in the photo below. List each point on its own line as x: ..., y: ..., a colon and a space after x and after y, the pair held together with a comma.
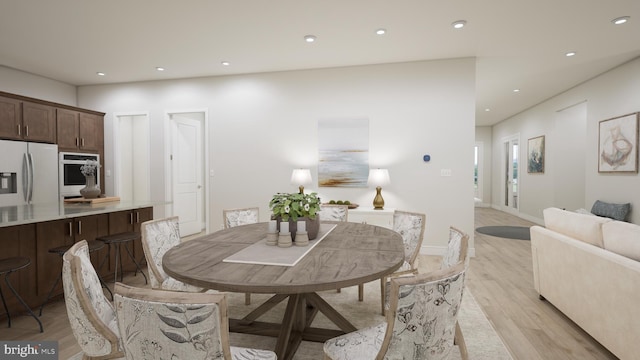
x: 127, y: 221
x: 34, y: 282
x: 383, y: 218
x: 51, y: 234
x: 20, y: 240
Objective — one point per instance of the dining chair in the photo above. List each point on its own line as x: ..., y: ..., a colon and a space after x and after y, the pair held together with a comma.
x: 337, y: 213
x: 91, y: 315
x: 420, y: 323
x: 333, y: 212
x: 237, y: 217
x: 410, y: 226
x: 160, y: 324
x: 158, y: 236
x: 457, y: 249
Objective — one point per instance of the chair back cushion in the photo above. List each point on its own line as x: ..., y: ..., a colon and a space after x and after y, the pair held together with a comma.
x: 332, y: 212
x: 411, y: 227
x: 158, y: 324
x: 158, y: 236
x: 237, y: 217
x: 92, y: 318
x: 457, y: 247
x: 424, y: 314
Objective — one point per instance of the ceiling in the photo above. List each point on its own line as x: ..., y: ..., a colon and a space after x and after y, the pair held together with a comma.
x: 518, y: 44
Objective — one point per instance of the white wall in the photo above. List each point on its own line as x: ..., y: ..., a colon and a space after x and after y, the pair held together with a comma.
x: 262, y: 126
x: 611, y: 94
x: 25, y: 84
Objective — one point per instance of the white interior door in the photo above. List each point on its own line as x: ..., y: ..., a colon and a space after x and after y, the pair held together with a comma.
x: 186, y: 164
x: 132, y: 157
x: 511, y: 167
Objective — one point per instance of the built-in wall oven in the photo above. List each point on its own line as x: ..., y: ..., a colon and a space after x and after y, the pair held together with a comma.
x: 71, y: 178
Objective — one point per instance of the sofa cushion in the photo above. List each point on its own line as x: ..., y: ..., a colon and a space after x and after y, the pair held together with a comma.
x: 578, y: 226
x: 613, y: 211
x: 622, y: 238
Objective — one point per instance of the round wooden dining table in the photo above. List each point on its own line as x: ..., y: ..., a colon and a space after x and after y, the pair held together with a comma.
x: 350, y: 254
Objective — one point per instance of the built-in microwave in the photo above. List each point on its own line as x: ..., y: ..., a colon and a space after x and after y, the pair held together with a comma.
x: 71, y: 178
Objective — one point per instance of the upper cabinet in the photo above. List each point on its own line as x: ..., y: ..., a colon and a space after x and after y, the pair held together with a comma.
x: 23, y: 120
x: 79, y: 131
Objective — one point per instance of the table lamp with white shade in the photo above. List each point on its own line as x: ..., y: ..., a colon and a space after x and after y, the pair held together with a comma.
x: 301, y: 177
x: 377, y: 178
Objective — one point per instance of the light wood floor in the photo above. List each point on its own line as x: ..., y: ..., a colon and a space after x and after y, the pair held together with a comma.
x: 500, y: 278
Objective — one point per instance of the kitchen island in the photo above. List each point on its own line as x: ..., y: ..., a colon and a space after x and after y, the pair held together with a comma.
x: 31, y: 230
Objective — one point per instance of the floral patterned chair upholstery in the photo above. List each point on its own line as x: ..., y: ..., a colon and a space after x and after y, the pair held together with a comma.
x: 159, y: 324
x: 411, y: 226
x: 158, y: 236
x: 333, y: 212
x: 237, y: 217
x: 457, y: 248
x: 420, y: 324
x: 92, y: 317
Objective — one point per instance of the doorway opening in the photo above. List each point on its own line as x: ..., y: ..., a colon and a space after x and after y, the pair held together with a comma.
x: 187, y: 156
x: 477, y: 172
x: 510, y: 170
x: 131, y: 160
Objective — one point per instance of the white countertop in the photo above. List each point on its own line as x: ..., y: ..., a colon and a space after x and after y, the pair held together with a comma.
x: 34, y: 213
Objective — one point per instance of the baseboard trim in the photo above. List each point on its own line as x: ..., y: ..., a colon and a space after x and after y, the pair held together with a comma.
x: 533, y: 219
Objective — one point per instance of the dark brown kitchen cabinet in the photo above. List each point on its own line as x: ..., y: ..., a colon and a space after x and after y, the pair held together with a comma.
x: 20, y: 240
x: 27, y: 121
x: 10, y: 119
x: 127, y: 221
x: 57, y: 233
x: 79, y: 131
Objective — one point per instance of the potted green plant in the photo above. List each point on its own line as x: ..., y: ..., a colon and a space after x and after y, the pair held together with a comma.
x: 296, y: 207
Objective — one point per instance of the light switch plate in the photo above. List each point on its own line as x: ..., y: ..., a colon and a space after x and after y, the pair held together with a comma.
x: 445, y: 172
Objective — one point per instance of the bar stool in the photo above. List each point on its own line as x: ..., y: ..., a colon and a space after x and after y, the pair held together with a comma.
x: 94, y: 245
x: 116, y: 240
x: 7, y: 266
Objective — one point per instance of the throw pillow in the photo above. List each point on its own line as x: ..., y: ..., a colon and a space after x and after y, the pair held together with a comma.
x: 613, y: 211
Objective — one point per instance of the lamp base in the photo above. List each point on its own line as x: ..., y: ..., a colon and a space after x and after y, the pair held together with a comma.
x: 378, y: 201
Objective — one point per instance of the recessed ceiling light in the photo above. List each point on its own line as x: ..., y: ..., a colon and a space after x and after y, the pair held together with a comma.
x: 620, y: 20
x: 309, y: 38
x: 516, y: 90
x: 381, y: 31
x: 160, y: 68
x: 100, y: 73
x: 225, y: 63
x: 459, y: 24
x: 570, y: 53
x: 487, y: 109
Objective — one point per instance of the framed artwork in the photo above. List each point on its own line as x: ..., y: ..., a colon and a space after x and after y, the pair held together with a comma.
x: 618, y: 144
x: 535, y: 155
x: 343, y: 152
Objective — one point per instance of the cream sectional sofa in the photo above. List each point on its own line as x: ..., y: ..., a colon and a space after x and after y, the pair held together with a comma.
x: 589, y: 268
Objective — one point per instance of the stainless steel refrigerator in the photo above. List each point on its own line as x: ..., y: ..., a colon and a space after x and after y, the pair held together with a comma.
x: 28, y: 173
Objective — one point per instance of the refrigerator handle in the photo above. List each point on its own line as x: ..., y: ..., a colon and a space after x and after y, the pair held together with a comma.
x: 25, y: 177
x: 30, y: 157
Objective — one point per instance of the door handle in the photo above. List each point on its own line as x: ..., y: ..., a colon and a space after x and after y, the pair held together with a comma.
x: 19, y: 130
x: 70, y: 229
x: 26, y: 130
x: 79, y: 227
x: 82, y: 142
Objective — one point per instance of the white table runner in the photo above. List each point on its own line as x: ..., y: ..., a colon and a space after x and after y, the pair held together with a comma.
x: 262, y: 254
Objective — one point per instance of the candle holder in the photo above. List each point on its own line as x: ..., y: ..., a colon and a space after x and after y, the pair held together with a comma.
x: 284, y: 240
x: 272, y: 238
x: 302, y: 238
